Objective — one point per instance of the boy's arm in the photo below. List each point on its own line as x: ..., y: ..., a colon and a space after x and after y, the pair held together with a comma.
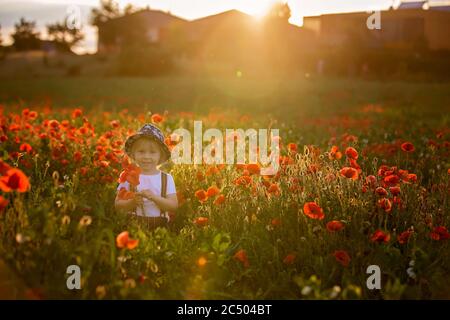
x: 127, y: 205
x: 169, y: 203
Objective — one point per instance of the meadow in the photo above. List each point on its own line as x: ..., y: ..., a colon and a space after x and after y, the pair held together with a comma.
x: 364, y: 180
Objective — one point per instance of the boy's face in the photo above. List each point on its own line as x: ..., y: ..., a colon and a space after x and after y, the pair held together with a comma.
x: 146, y: 153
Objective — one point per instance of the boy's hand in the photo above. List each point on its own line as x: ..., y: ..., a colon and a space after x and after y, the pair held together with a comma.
x: 148, y: 194
x: 138, y: 200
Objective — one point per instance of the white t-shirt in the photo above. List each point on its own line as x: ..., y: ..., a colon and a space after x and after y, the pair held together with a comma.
x: 153, y: 183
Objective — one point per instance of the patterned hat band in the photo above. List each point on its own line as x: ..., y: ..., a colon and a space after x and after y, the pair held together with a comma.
x: 153, y: 132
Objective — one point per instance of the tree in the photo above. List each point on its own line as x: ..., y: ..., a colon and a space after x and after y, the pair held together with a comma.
x: 25, y: 37
x: 64, y: 37
x: 279, y: 11
x: 109, y: 9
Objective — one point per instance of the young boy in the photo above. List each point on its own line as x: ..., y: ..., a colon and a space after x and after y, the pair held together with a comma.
x: 156, y: 192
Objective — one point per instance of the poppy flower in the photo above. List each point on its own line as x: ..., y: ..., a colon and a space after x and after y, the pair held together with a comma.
x: 407, y: 147
x: 342, y: 257
x: 253, y: 168
x: 440, y: 233
x: 381, y: 191
x: 289, y: 259
x: 411, y: 177
x: 14, y: 179
x: 392, y: 180
x: 157, y: 118
x: 275, y: 222
x: 219, y: 200
x: 241, y: 256
x: 350, y: 173
x: 274, y: 189
x: 201, y: 195
x: 312, y: 210
x: 124, y: 194
x: 123, y: 241
x: 292, y: 147
x: 130, y: 174
x: 334, y: 154
x: 380, y: 236
x: 385, y: 204
x: 3, y: 203
x: 76, y: 113
x: 355, y: 165
x: 351, y: 153
x: 371, y: 180
x: 334, y: 226
x: 201, y: 221
x: 25, y: 147
x: 395, y: 191
x: 403, y: 237
x: 212, y: 191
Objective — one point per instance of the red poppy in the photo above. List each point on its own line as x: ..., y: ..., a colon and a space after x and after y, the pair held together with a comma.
x: 14, y: 179
x: 381, y: 191
x: 380, y: 236
x: 25, y: 147
x: 124, y: 194
x: 335, y: 154
x: 355, y: 165
x: 407, y: 147
x: 201, y: 221
x: 219, y: 200
x: 253, y: 168
x: 385, y: 204
x: 395, y: 191
x: 274, y: 189
x: 289, y: 259
x: 124, y: 241
x: 334, y: 226
x: 77, y: 113
x: 201, y: 195
x: 130, y: 174
x: 342, y: 257
x: 157, y: 118
x: 212, y: 191
x: 371, y: 180
x: 351, y: 153
x: 241, y: 256
x: 440, y: 233
x: 411, y: 177
x: 404, y: 236
x: 292, y: 147
x: 350, y: 173
x: 392, y: 180
x: 312, y: 210
x: 275, y: 222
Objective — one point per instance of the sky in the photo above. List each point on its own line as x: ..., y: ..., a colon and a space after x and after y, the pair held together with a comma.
x: 46, y: 11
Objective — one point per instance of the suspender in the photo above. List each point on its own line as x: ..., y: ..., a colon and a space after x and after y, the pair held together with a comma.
x: 163, y: 189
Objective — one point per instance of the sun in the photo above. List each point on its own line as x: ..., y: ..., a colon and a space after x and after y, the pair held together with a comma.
x: 256, y: 8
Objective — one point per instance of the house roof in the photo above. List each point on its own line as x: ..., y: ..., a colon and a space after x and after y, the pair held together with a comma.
x: 156, y: 18
x: 411, y: 5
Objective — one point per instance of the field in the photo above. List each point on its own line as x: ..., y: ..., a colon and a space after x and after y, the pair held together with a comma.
x: 364, y: 180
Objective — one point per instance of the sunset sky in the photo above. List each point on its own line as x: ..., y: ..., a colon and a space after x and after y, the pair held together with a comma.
x: 45, y: 11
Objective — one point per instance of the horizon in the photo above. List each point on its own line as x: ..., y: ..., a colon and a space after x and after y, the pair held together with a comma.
x: 47, y: 11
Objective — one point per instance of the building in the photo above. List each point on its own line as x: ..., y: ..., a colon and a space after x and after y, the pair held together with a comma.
x: 411, y: 25
x: 151, y: 26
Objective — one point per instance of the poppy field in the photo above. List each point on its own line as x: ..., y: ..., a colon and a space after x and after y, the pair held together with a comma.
x: 361, y: 186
